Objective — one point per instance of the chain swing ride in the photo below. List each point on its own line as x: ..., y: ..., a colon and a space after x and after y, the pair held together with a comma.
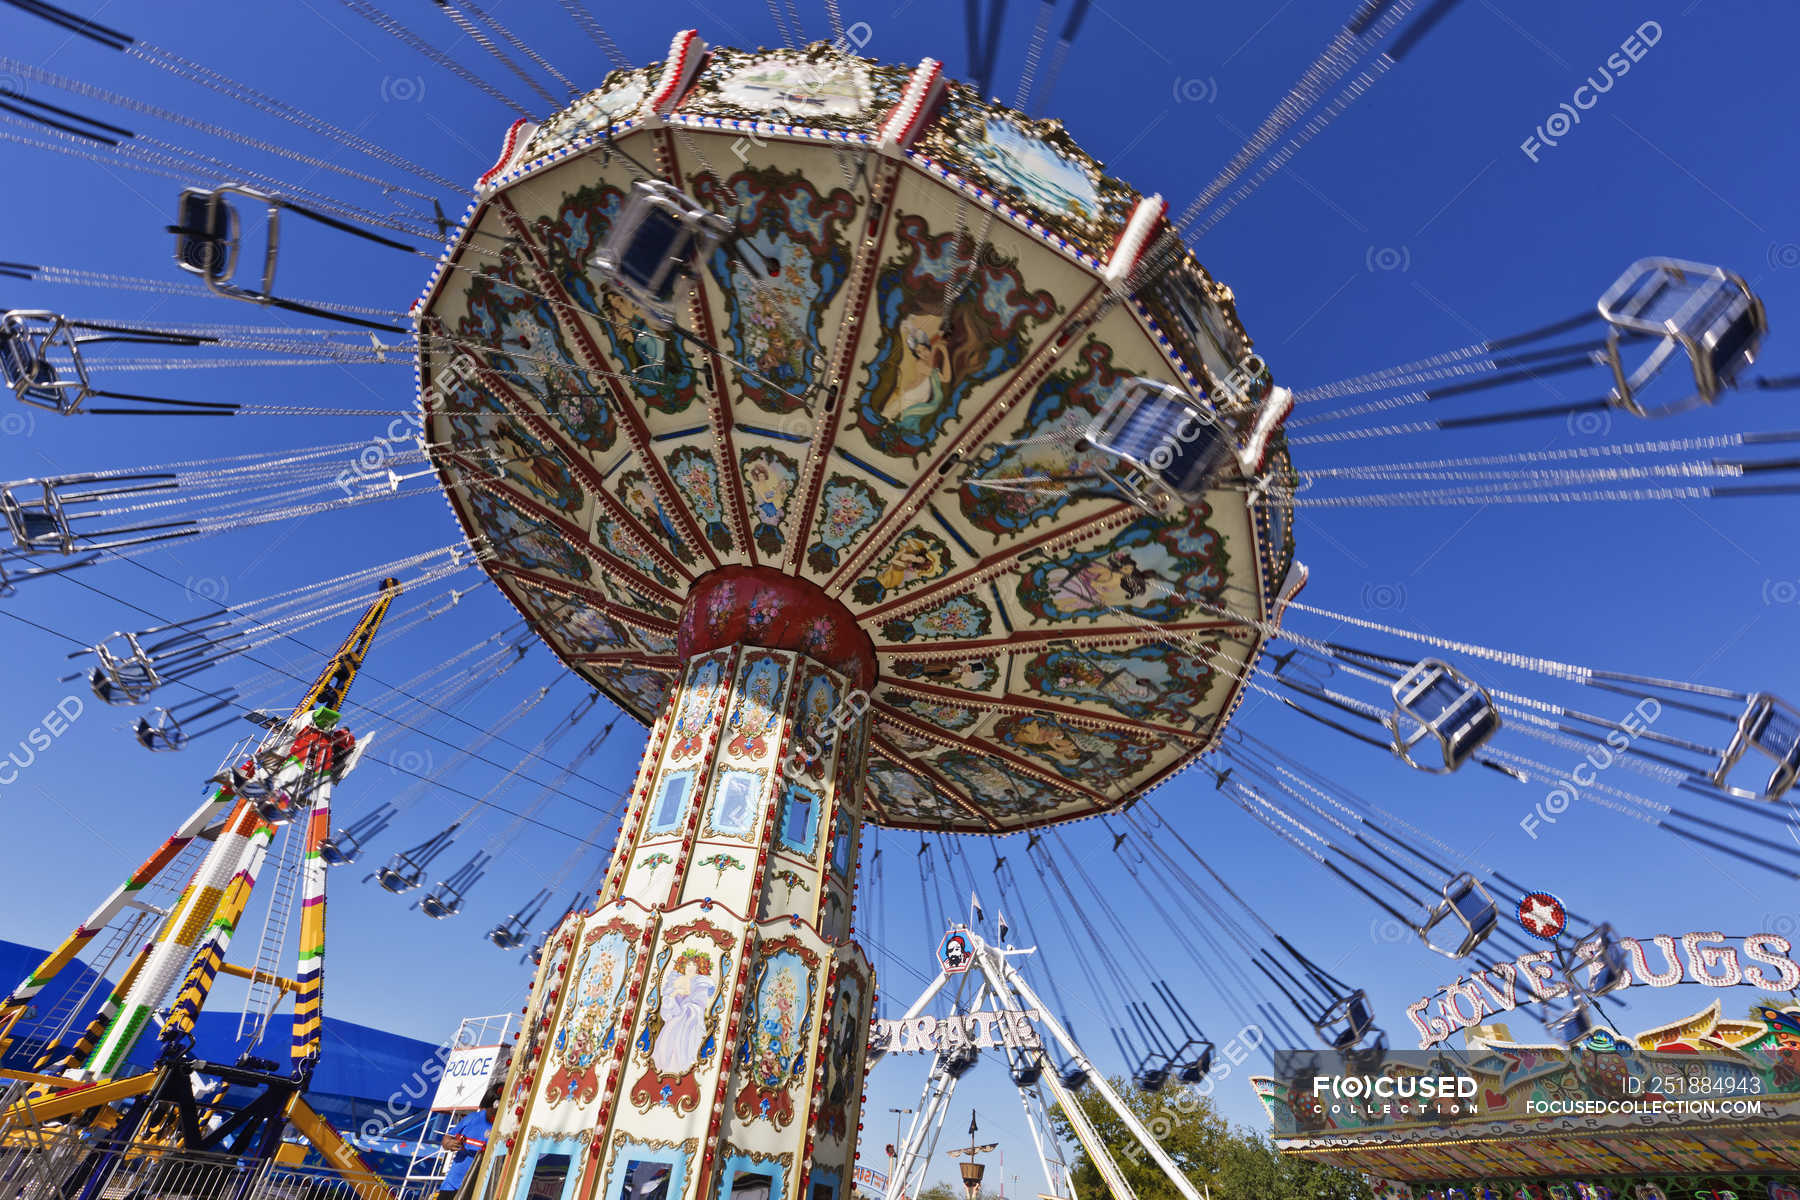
x: 894, y: 467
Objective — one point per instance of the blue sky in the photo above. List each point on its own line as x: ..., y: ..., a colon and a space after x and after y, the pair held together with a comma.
x: 1415, y: 224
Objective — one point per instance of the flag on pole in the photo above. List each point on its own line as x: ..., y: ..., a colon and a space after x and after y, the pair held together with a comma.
x: 974, y: 909
x: 1003, y: 927
x: 971, y: 1122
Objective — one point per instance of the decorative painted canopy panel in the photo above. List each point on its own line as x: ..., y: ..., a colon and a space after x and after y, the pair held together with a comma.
x: 893, y: 347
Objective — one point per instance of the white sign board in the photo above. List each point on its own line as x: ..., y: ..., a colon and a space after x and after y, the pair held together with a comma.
x: 467, y: 1073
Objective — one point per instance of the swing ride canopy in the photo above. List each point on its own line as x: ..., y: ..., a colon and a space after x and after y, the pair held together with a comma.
x: 907, y: 328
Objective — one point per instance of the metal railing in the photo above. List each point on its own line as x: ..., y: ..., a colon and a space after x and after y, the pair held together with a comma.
x: 67, y: 1164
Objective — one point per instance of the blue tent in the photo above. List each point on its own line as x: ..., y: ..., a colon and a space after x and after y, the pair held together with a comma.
x: 363, y: 1074
x: 76, y: 982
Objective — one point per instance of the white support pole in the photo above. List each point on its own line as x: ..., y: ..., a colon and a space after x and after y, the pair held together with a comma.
x: 1014, y: 981
x: 940, y: 1085
x: 1002, y: 978
x: 1057, y: 1182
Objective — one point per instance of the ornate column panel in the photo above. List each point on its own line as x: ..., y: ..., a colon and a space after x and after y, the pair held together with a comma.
x: 702, y: 1029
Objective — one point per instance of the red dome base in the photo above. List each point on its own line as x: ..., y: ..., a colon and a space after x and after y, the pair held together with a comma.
x: 760, y: 606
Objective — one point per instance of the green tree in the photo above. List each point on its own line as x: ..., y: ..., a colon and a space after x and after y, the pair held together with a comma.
x: 945, y: 1191
x: 1233, y: 1163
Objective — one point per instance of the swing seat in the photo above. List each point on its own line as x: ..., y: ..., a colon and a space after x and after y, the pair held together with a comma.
x: 1366, y: 1059
x: 958, y: 1061
x: 1193, y: 1064
x: 1432, y: 701
x: 505, y: 936
x: 131, y: 677
x: 107, y: 690
x: 1574, y: 1025
x: 277, y: 808
x: 1151, y: 1077
x: 30, y: 378
x: 161, y: 734
x: 26, y: 336
x: 1027, y: 1074
x: 661, y: 237
x: 442, y: 901
x: 1466, y: 913
x: 1173, y: 446
x: 398, y: 879
x: 1607, y: 955
x: 1073, y: 1076
x: 1346, y: 1022
x: 340, y: 849
x: 1705, y: 312
x: 1771, y: 727
x: 207, y: 236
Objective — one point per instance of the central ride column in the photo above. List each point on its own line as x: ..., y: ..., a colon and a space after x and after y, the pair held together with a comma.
x: 700, y: 1035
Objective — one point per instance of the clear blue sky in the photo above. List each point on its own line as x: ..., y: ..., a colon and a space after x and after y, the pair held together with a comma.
x: 1683, y: 157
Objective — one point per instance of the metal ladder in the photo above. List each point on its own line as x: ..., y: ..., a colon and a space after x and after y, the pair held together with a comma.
x: 264, y: 995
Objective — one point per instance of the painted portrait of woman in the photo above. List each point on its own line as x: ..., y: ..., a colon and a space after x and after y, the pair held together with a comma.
x: 688, y: 988
x: 953, y: 315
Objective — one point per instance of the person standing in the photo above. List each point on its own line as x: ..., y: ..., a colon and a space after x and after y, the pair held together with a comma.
x: 466, y: 1141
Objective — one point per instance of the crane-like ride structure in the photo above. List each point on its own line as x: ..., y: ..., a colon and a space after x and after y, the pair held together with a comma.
x: 286, y: 777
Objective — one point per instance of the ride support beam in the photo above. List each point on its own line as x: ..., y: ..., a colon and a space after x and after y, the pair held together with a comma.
x: 15, y: 1004
x: 339, y: 1154
x: 210, y: 956
x: 35, y: 1111
x: 181, y: 935
x: 279, y: 981
x: 1013, y: 980
x: 309, y: 971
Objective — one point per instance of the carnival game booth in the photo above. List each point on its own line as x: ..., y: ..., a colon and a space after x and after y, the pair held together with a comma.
x: 1708, y: 1106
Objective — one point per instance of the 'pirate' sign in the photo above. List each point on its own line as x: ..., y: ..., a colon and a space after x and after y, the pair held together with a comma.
x: 928, y: 1035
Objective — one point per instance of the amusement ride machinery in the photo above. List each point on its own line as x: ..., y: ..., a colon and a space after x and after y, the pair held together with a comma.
x: 748, y: 412
x: 894, y: 465
x: 284, y: 783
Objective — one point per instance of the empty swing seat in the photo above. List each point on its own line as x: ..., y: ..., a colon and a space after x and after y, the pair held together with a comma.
x: 660, y: 238
x: 163, y: 733
x: 1467, y: 913
x: 1172, y: 446
x: 26, y: 336
x: 1573, y: 1025
x: 1432, y: 701
x: 1073, y: 1076
x: 206, y: 234
x: 1705, y: 312
x: 506, y: 936
x: 443, y: 901
x: 1175, y: 443
x: 1606, y: 960
x: 400, y: 875
x: 1346, y: 1022
x: 339, y: 850
x: 29, y: 377
x: 1771, y: 727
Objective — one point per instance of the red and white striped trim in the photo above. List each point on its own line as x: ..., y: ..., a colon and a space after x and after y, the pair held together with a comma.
x: 517, y: 136
x: 916, y: 108
x: 685, y: 53
x: 1146, y: 218
x: 1275, y: 409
